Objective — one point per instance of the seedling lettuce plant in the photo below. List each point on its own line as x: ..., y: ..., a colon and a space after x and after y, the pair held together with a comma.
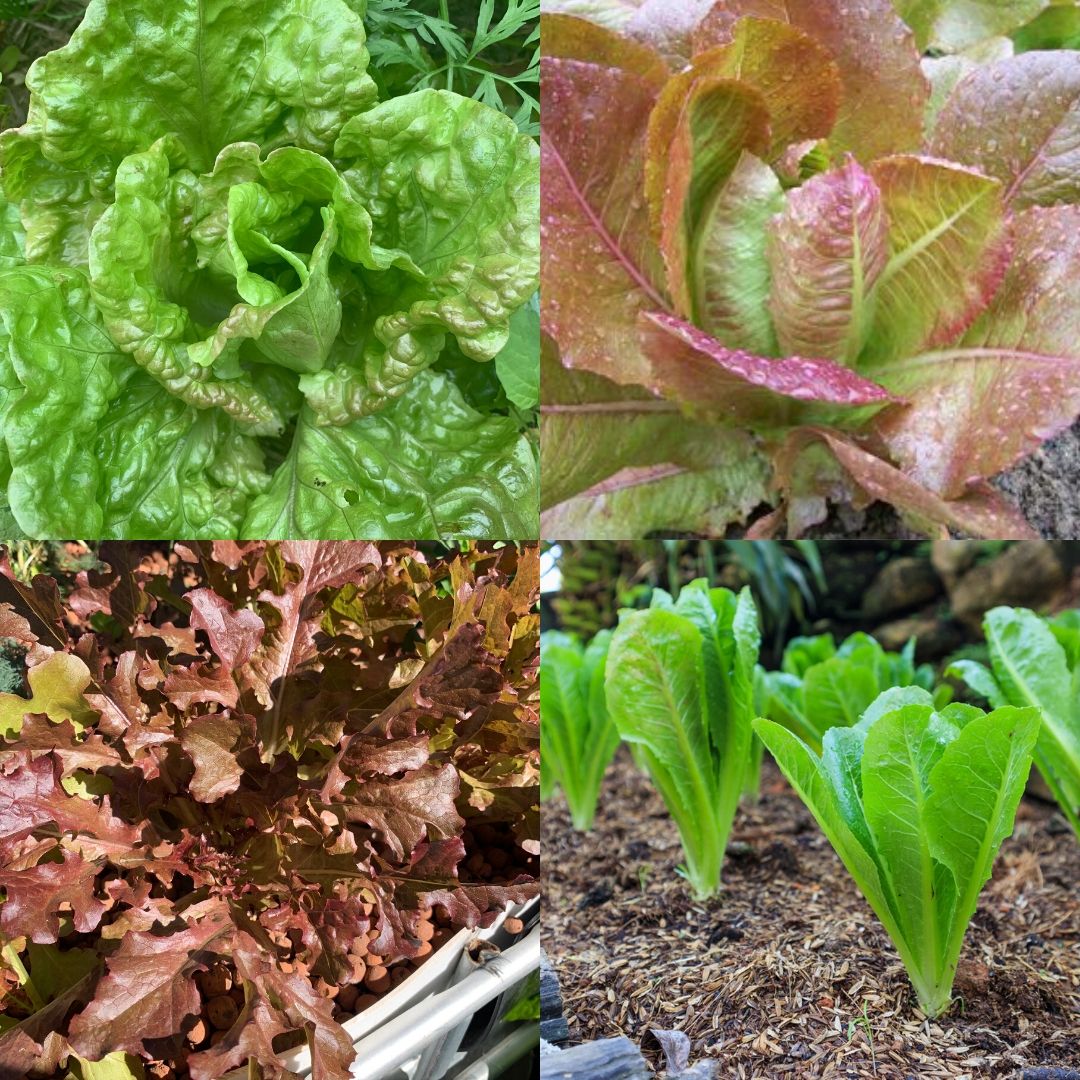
x: 1036, y: 662
x: 779, y: 272
x: 270, y: 768
x: 916, y: 802
x: 822, y: 685
x: 239, y: 295
x: 680, y: 689
x: 579, y: 737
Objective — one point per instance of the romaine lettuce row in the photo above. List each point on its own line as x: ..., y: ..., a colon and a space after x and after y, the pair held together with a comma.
x: 1036, y: 662
x: 680, y: 689
x: 916, y: 802
x: 276, y: 253
x: 821, y: 685
x: 578, y: 735
x: 765, y: 238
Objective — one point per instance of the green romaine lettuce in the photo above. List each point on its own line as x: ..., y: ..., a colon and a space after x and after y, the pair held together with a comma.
x: 579, y: 737
x: 229, y: 277
x: 822, y: 685
x: 1036, y: 662
x: 916, y: 802
x: 680, y: 687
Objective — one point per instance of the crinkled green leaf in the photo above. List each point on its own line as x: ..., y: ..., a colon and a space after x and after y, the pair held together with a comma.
x: 427, y: 464
x: 12, y: 235
x: 452, y: 182
x: 210, y: 72
x: 66, y: 366
x: 137, y: 267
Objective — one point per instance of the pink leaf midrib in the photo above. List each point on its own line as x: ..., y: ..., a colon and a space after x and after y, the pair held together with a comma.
x: 602, y: 231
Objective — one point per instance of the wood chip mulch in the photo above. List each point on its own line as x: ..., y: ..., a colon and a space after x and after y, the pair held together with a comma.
x: 788, y: 973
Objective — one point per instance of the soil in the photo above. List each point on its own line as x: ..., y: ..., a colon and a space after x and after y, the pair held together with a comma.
x: 788, y: 973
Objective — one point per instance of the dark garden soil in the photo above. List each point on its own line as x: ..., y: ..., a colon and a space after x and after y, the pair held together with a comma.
x: 789, y: 973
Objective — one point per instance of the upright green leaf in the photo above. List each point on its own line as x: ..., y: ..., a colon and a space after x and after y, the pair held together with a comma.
x: 680, y: 690
x: 579, y: 738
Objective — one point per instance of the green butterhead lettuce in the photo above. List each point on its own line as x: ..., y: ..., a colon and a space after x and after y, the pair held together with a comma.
x: 226, y: 271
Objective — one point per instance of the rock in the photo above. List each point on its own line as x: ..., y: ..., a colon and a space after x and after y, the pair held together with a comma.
x: 972, y: 979
x: 901, y: 585
x: 1027, y: 574
x: 953, y: 558
x: 605, y: 1059
x: 934, y: 637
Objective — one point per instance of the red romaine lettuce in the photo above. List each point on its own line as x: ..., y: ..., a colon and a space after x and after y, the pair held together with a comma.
x: 758, y: 222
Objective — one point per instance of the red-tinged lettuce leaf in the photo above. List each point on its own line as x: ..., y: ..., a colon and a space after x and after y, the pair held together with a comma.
x: 362, y: 755
x: 34, y: 896
x: 953, y: 25
x: 666, y: 26
x: 407, y: 809
x: 234, y: 634
x: 147, y: 991
x: 731, y: 276
x: 948, y: 253
x: 200, y: 685
x: 692, y: 367
x: 795, y: 75
x: 295, y: 610
x: 280, y: 1002
x: 34, y: 1045
x: 1015, y: 379
x: 450, y: 696
x: 41, y: 736
x: 884, y: 92
x: 433, y: 879
x: 31, y: 797
x: 625, y: 462
x: 827, y: 250
x: 589, y: 424
x: 16, y: 628
x: 57, y: 685
x: 697, y: 132
x: 720, y: 489
x: 600, y: 266
x: 567, y: 37
x: 212, y: 743
x: 118, y: 589
x: 981, y: 511
x: 38, y: 604
x: 1018, y: 119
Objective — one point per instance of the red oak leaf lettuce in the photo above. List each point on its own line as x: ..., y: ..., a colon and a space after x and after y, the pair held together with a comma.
x: 258, y: 755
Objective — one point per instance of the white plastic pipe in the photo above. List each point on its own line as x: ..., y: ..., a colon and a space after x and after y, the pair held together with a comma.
x: 397, y: 1041
x: 506, y: 1052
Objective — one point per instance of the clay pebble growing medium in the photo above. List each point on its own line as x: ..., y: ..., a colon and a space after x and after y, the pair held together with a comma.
x: 788, y: 972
